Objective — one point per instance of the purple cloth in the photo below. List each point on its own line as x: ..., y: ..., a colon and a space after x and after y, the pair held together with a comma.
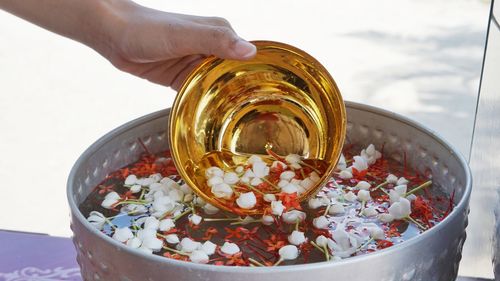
x: 29, y: 256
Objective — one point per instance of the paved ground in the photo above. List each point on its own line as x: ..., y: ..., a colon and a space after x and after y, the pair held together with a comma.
x: 419, y: 58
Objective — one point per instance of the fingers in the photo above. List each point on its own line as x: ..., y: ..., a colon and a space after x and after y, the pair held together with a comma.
x: 217, y: 40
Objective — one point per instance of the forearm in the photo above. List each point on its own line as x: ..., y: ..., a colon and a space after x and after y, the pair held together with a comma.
x: 86, y: 21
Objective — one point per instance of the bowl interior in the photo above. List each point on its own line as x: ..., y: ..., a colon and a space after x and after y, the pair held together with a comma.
x: 282, y: 100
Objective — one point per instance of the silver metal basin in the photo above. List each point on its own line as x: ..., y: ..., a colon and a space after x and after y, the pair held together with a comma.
x: 434, y: 255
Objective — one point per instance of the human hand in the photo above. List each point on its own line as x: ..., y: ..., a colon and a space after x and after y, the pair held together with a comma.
x: 164, y: 47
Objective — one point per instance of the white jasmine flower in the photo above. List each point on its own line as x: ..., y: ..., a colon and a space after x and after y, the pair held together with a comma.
x: 370, y: 211
x: 376, y: 233
x: 131, y: 180
x: 230, y: 248
x: 282, y: 183
x: 385, y: 217
x: 277, y: 208
x: 255, y: 181
x: 288, y: 252
x: 123, y: 234
x: 222, y: 190
x: 97, y: 219
x: 293, y: 159
x: 343, y: 244
x: 290, y: 188
x: 188, y: 198
x: 402, y: 181
x: 342, y: 164
x: 401, y: 209
x: 239, y: 169
x: 394, y: 196
x: 287, y: 175
x: 187, y: 245
x: 336, y: 209
x: 169, y: 183
x: 296, y: 237
x: 411, y: 197
x: 144, y: 233
x: 321, y: 241
x: 269, y: 197
x: 152, y: 243
x: 214, y: 171
x: 321, y: 222
x: 172, y: 239
x: 359, y: 163
x: 364, y: 195
x: 110, y: 199
x: 166, y: 224
x: 214, y: 181
x: 246, y: 200
x: 278, y: 163
x: 315, y: 203
x: 363, y: 185
x: 198, y: 256
x: 248, y: 174
x: 210, y: 209
x: 291, y: 217
x: 345, y: 175
x: 176, y: 195
x: 156, y: 177
x: 350, y: 196
x: 314, y: 177
x: 208, y: 247
x: 260, y: 169
x: 267, y: 220
x: 145, y: 250
x: 145, y: 181
x: 231, y: 178
x: 245, y: 180
x: 254, y: 159
x: 186, y: 189
x: 307, y: 183
x: 401, y: 189
x: 195, y: 219
x: 391, y: 179
x: 135, y: 188
x: 134, y: 242
x: 151, y: 223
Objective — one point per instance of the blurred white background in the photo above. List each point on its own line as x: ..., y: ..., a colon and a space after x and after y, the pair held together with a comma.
x: 419, y: 58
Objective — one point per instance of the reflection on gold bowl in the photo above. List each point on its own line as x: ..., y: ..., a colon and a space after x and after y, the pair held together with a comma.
x: 227, y: 110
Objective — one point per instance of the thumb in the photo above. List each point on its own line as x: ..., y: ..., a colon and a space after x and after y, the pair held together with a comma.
x: 220, y: 41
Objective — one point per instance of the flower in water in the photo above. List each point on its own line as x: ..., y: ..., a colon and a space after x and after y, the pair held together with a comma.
x: 187, y: 245
x: 336, y: 208
x: 391, y: 179
x: 198, y: 256
x: 400, y: 209
x: 364, y: 195
x: 363, y: 185
x: 342, y: 164
x: 267, y: 220
x: 350, y: 196
x: 230, y: 248
x: 321, y: 222
x: 123, y: 234
x: 96, y: 219
x: 321, y: 241
x: 246, y: 200
x: 110, y: 199
x: 208, y: 247
x: 214, y: 171
x: 172, y: 239
x: 288, y: 252
x: 231, y: 178
x: 151, y: 223
x: 131, y: 180
x: 291, y: 217
x: 296, y: 237
x: 360, y: 163
x: 269, y: 197
x: 345, y: 175
x: 195, y: 219
x: 166, y: 224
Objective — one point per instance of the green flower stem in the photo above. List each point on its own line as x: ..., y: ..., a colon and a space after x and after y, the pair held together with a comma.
x: 422, y: 186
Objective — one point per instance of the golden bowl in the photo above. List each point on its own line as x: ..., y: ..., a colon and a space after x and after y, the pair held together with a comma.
x: 227, y: 110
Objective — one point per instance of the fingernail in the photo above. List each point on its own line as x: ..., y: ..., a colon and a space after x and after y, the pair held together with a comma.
x: 244, y: 49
